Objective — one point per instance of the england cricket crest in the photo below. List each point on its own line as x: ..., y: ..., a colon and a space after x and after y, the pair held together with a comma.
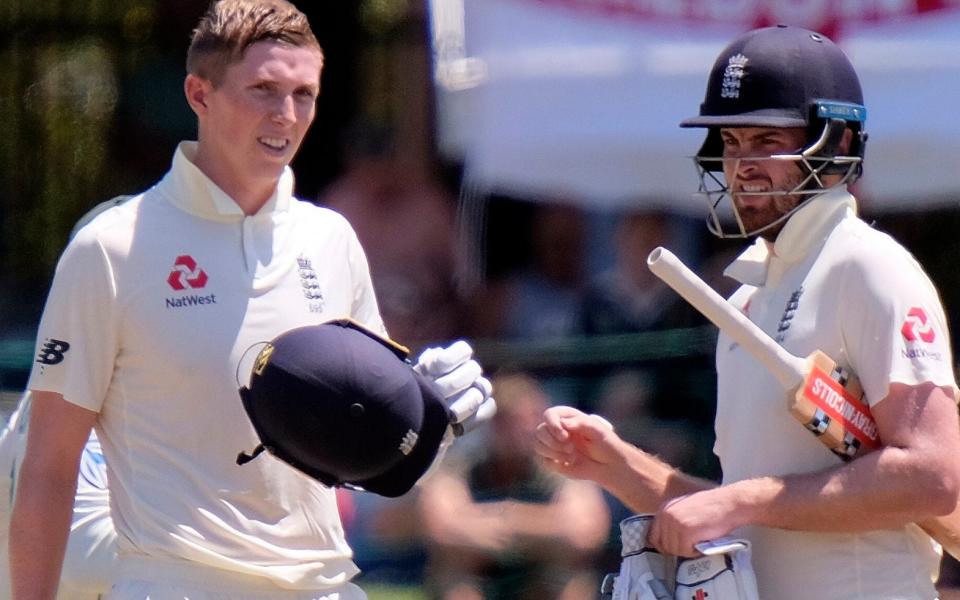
x: 788, y: 313
x: 732, y: 76
x: 408, y: 442
x: 310, y: 284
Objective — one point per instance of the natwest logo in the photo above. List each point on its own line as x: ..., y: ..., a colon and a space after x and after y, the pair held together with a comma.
x: 186, y: 273
x: 917, y: 327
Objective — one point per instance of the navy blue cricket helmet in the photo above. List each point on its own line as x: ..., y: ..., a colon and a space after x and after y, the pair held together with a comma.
x: 344, y: 406
x: 783, y: 76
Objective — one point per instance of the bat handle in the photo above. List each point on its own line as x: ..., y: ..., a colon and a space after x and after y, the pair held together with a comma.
x: 787, y: 368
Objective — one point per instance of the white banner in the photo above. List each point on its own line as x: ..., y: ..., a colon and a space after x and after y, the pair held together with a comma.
x: 580, y: 99
x: 812, y: 14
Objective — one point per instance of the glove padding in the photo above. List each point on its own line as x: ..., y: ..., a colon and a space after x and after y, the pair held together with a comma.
x: 645, y: 574
x: 467, y: 393
x: 723, y: 572
x: 460, y: 380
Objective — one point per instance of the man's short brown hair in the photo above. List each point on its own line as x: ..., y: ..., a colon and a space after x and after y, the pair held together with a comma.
x: 229, y: 27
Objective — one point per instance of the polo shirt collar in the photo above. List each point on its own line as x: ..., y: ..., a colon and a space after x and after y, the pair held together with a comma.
x: 803, y: 232
x: 192, y: 191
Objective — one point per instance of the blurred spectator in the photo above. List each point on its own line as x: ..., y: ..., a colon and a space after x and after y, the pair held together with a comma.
x: 542, y: 298
x: 633, y: 400
x: 405, y: 221
x: 654, y: 407
x: 501, y: 526
x: 385, y: 535
x: 660, y: 407
x: 714, y: 264
x: 628, y: 298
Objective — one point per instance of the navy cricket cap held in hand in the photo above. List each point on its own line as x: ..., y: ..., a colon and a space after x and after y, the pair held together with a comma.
x: 344, y: 406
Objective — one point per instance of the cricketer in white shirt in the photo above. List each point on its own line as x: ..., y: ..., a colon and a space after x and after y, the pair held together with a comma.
x: 829, y: 282
x: 153, y: 307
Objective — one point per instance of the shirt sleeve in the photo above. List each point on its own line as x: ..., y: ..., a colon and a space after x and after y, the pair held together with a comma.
x: 77, y: 341
x: 894, y: 325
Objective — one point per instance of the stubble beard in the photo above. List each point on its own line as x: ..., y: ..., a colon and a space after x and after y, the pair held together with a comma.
x: 768, y: 210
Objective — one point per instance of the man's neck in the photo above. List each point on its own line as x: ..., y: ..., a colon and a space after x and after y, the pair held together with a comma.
x: 249, y: 194
x: 249, y: 198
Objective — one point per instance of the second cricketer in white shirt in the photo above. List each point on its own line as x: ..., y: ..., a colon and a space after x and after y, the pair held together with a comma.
x: 785, y: 120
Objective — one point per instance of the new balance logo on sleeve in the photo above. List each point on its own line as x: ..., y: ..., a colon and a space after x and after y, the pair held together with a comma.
x: 51, y: 353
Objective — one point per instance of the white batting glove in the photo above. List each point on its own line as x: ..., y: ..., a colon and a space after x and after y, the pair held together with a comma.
x: 468, y: 394
x: 724, y: 572
x: 645, y: 574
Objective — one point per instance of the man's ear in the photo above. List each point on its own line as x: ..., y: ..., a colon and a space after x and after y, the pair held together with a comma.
x: 844, y: 147
x: 197, y: 89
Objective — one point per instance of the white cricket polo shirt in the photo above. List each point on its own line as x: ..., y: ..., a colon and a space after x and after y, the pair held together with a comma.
x: 156, y: 309
x: 831, y: 283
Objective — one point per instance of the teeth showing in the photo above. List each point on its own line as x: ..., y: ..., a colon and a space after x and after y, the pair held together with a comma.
x: 275, y: 143
x: 754, y: 188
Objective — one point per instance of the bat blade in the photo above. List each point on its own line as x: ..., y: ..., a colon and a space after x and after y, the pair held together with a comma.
x: 830, y: 405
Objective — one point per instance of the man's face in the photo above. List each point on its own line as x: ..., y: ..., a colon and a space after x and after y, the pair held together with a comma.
x: 750, y: 177
x: 256, y: 118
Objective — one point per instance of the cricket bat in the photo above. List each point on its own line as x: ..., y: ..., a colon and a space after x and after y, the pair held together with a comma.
x: 816, y: 386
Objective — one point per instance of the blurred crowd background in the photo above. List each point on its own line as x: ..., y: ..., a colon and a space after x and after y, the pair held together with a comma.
x: 549, y: 283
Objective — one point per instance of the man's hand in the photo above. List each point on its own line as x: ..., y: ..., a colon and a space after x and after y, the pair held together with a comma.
x: 582, y: 446
x: 576, y: 444
x: 469, y: 395
x: 687, y: 520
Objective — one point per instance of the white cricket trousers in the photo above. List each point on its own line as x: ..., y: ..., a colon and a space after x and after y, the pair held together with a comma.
x: 149, y: 579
